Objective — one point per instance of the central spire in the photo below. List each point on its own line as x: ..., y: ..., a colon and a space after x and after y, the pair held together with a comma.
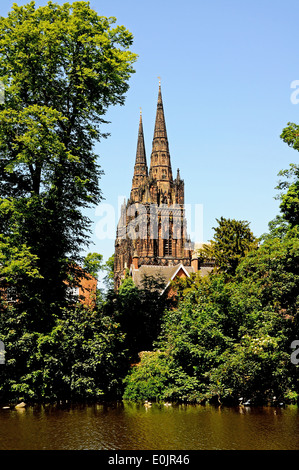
x: 160, y: 168
x: 160, y: 126
x: 151, y: 234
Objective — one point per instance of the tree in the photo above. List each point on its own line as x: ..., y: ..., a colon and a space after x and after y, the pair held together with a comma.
x: 81, y: 358
x: 290, y: 200
x: 62, y: 67
x: 16, y: 260
x: 232, y: 240
x: 289, y: 205
x: 93, y: 264
x: 139, y: 311
x: 148, y: 379
x: 226, y: 339
x: 230, y: 336
x: 109, y: 268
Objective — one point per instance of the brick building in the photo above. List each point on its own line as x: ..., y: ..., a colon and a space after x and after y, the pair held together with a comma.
x: 84, y: 290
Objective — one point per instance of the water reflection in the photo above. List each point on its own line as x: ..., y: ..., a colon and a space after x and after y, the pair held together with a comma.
x: 131, y: 426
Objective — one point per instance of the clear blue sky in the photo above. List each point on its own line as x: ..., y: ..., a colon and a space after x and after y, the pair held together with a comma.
x: 226, y: 68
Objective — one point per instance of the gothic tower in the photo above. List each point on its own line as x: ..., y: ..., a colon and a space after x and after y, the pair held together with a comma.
x: 140, y: 168
x: 160, y: 168
x: 152, y: 228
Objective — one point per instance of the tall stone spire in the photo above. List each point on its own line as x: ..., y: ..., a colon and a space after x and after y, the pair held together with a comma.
x: 140, y: 168
x: 160, y: 237
x: 160, y: 168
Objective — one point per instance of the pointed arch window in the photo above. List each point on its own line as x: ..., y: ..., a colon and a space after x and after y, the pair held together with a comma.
x: 168, y: 246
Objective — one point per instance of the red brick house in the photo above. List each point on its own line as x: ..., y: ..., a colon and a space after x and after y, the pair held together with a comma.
x: 84, y: 291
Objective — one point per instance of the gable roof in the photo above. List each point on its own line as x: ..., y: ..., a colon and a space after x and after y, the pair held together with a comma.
x: 186, y: 269
x: 163, y: 273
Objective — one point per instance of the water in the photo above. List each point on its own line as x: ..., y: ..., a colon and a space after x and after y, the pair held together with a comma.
x: 134, y: 427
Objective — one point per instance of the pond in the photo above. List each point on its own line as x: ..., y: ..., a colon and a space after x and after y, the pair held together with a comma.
x: 125, y: 426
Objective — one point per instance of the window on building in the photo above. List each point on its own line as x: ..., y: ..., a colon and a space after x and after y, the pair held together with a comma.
x: 155, y: 248
x: 11, y: 294
x: 73, y: 292
x: 168, y: 247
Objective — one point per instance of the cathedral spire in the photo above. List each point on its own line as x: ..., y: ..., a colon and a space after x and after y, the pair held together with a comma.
x: 160, y: 125
x: 140, y: 168
x: 160, y: 168
x: 149, y: 235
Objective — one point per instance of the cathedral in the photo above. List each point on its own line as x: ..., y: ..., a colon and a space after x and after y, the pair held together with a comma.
x: 151, y: 238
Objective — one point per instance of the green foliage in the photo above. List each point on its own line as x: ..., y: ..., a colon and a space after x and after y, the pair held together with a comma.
x: 16, y: 262
x: 81, y: 358
x: 139, y: 312
x: 158, y: 378
x: 290, y: 199
x: 228, y: 336
x: 109, y: 269
x: 229, y: 339
x: 278, y: 228
x: 148, y: 379
x: 289, y: 205
x: 274, y: 269
x: 62, y: 67
x: 93, y: 264
x: 232, y: 241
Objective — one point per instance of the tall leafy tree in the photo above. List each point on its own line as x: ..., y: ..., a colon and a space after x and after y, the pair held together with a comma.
x: 62, y: 67
x: 290, y: 184
x: 93, y: 263
x: 289, y: 195
x: 109, y: 268
x: 232, y: 240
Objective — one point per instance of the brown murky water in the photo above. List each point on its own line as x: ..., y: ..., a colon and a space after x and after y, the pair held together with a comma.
x: 160, y: 427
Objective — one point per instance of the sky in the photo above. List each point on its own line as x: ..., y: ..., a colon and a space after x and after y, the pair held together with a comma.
x: 227, y: 69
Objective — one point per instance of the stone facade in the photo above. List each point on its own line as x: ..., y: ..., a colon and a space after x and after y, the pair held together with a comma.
x: 152, y: 226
